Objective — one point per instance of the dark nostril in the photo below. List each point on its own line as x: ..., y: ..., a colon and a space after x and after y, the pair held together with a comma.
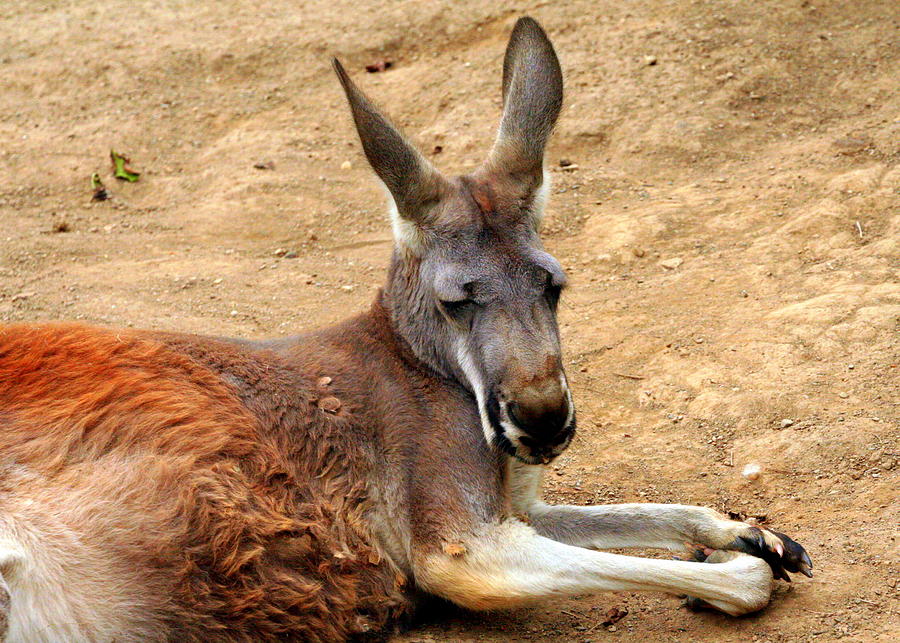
x: 541, y: 420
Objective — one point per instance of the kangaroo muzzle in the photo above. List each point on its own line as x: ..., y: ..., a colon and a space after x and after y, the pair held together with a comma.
x: 535, y: 422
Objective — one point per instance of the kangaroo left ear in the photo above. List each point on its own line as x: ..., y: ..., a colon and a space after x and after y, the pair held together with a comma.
x: 532, y: 99
x: 415, y: 185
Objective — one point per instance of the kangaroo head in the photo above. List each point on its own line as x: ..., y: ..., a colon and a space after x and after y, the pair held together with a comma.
x: 470, y: 288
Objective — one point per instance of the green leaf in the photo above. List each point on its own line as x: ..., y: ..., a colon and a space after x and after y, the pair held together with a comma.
x: 121, y: 169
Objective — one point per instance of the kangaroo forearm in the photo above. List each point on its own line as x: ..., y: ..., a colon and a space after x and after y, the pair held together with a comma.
x: 628, y: 525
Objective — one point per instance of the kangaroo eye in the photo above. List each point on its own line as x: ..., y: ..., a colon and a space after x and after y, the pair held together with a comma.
x: 458, y: 308
x: 552, y: 291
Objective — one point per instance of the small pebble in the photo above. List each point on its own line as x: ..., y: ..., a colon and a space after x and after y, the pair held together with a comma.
x: 843, y: 395
x: 752, y: 471
x: 650, y: 60
x: 346, y: 165
x: 786, y: 422
x: 671, y: 264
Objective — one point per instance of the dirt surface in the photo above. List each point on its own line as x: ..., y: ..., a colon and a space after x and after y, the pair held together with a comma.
x: 730, y: 224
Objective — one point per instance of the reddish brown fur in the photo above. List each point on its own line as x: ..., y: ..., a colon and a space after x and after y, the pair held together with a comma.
x: 246, y: 506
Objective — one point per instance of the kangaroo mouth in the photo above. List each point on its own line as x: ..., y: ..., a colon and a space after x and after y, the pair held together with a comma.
x: 515, y: 442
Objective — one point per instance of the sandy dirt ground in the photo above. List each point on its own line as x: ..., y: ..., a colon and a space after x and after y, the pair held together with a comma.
x: 730, y: 223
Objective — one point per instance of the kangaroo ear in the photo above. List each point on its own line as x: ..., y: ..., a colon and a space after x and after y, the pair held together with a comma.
x: 532, y: 99
x: 413, y: 182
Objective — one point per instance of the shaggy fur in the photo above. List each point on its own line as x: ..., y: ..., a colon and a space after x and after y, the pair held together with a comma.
x: 228, y: 503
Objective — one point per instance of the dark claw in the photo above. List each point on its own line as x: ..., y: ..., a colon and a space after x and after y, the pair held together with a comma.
x: 795, y: 558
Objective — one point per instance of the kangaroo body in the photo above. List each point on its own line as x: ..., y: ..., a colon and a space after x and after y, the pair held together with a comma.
x: 166, y: 487
x: 198, y: 486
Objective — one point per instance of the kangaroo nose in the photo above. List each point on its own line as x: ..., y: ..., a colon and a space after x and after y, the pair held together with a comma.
x: 543, y: 416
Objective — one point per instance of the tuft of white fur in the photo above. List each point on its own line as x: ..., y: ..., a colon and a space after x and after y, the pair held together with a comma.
x: 540, y: 201
x: 407, y: 234
x: 467, y: 364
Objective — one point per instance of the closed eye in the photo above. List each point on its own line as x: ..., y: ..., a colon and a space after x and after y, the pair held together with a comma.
x: 459, y: 309
x: 553, y: 290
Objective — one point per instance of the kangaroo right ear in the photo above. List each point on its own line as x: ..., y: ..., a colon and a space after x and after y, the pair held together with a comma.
x: 532, y: 99
x: 415, y: 185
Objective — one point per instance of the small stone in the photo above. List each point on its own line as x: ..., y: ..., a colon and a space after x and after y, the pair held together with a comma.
x: 650, y: 60
x: 233, y: 313
x: 671, y: 264
x: 330, y: 404
x: 752, y: 471
x: 290, y: 254
x: 786, y: 422
x: 22, y: 296
x: 565, y: 162
x: 843, y: 395
x: 217, y: 281
x: 638, y: 252
x: 264, y: 165
x: 323, y: 381
x: 698, y: 340
x: 61, y: 226
x: 346, y: 165
x: 280, y: 252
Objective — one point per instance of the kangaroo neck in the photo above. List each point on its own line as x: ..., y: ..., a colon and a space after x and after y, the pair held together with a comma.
x: 413, y: 321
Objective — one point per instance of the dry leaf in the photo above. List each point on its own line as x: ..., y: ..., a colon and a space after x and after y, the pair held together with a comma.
x: 378, y: 66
